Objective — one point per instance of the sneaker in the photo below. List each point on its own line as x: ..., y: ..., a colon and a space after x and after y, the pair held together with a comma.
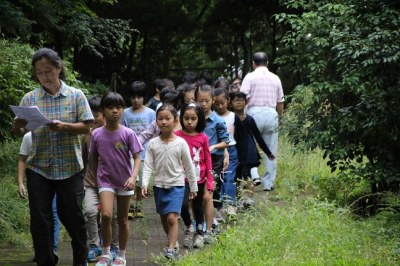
x: 269, y: 189
x: 114, y: 251
x: 119, y: 261
x: 231, y: 211
x: 209, y: 238
x: 215, y: 227
x: 139, y: 214
x: 219, y: 216
x: 94, y: 253
x: 257, y: 181
x: 105, y: 260
x: 188, y: 237
x: 171, y: 254
x: 132, y: 211
x: 198, y: 241
x: 139, y: 211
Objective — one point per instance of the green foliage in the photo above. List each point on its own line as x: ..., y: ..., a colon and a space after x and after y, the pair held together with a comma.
x: 12, y: 20
x: 8, y: 157
x: 347, y: 55
x: 15, y: 80
x: 14, y: 211
x: 14, y: 214
x: 301, y: 232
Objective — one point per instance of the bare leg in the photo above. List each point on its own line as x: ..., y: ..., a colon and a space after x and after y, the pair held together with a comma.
x: 172, y: 221
x: 164, y: 223
x: 107, y: 202
x: 122, y: 217
x: 208, y: 207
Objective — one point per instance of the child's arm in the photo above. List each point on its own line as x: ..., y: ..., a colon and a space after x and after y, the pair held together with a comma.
x: 223, y: 136
x: 238, y: 135
x: 93, y: 157
x: 148, y: 169
x: 151, y: 132
x: 130, y: 183
x: 85, y: 154
x: 208, y: 162
x: 259, y: 139
x: 189, y: 169
x: 21, y: 170
x: 95, y: 160
x: 226, y: 159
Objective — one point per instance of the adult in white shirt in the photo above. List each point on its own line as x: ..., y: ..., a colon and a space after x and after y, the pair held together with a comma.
x: 265, y: 104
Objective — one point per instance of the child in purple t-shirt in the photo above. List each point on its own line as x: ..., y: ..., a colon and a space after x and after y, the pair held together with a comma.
x: 112, y: 147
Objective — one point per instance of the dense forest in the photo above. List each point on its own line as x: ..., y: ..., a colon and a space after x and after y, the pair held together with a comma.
x: 338, y: 61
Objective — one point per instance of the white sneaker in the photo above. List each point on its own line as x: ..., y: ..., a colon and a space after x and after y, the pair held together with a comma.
x: 176, y: 248
x: 105, y: 260
x: 198, y: 241
x: 119, y: 261
x: 209, y: 238
x: 231, y: 210
x: 188, y: 238
x: 219, y: 216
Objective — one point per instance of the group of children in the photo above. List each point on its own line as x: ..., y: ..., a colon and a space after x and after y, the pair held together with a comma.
x: 194, y: 145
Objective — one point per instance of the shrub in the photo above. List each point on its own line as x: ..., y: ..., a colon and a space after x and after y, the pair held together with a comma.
x: 16, y: 79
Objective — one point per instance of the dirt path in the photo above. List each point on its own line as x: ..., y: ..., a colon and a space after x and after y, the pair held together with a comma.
x: 147, y: 239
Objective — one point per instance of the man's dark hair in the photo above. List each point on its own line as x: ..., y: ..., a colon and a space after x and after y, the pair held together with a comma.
x: 94, y: 104
x: 189, y: 77
x: 159, y: 84
x: 206, y: 76
x: 260, y: 59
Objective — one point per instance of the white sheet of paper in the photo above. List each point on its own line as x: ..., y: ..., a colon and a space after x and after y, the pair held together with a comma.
x: 31, y: 114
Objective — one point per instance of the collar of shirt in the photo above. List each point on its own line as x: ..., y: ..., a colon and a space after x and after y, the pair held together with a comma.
x: 63, y: 91
x: 261, y: 69
x: 212, y: 116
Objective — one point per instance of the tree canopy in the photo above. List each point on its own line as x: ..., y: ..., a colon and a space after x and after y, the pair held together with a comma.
x: 338, y: 60
x: 346, y: 56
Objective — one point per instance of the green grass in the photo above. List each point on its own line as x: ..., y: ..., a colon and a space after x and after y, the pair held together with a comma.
x: 294, y: 225
x: 14, y: 214
x: 304, y: 232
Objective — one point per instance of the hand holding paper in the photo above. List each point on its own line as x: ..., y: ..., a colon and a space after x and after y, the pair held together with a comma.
x: 31, y: 114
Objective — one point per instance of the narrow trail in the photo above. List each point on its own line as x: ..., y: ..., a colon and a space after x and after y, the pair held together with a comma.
x: 147, y: 239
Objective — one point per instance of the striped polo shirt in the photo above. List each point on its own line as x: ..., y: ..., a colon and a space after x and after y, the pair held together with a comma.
x: 57, y: 155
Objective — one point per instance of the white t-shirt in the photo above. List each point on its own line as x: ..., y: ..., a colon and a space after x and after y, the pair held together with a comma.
x: 26, y: 144
x: 230, y: 126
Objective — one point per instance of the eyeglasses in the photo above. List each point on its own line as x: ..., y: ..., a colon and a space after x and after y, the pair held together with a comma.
x: 238, y: 100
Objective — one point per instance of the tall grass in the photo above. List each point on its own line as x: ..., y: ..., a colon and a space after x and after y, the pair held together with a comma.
x: 294, y: 225
x: 299, y: 232
x: 14, y: 211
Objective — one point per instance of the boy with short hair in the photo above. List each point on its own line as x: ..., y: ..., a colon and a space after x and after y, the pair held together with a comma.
x: 138, y: 118
x: 92, y: 199
x: 159, y: 84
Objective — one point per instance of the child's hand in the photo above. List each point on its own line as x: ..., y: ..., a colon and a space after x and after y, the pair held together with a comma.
x: 130, y: 183
x: 192, y: 195
x: 211, y: 148
x: 226, y: 163
x: 19, y: 123
x: 144, y: 192
x: 22, y: 191
x: 271, y: 157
